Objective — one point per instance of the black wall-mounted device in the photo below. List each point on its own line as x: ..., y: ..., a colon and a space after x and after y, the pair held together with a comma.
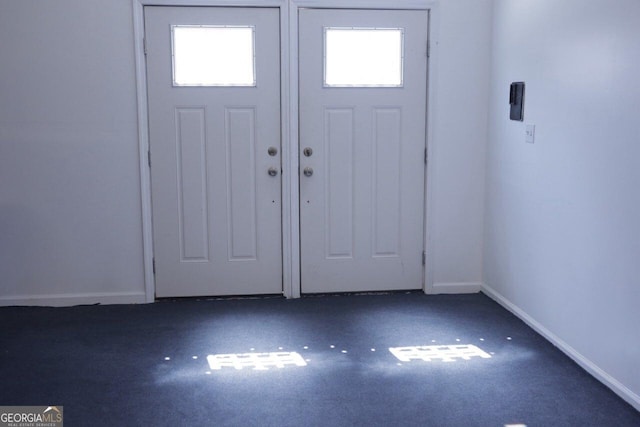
x: 516, y: 99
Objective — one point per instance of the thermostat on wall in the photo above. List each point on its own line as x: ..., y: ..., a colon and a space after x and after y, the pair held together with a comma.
x: 516, y: 100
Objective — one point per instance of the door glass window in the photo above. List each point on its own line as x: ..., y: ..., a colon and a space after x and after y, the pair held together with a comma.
x: 363, y: 57
x: 205, y: 55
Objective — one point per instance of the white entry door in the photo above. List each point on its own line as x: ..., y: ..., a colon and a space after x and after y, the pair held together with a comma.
x: 213, y: 78
x: 362, y: 139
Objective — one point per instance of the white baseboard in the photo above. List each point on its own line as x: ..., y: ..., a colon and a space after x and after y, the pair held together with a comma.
x: 615, y: 385
x: 62, y: 300
x: 455, y: 288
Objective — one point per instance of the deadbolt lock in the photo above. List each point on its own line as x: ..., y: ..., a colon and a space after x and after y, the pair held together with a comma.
x: 272, y: 151
x: 307, y: 152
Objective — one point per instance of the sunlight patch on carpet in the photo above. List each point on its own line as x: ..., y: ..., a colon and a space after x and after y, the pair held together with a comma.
x: 255, y: 361
x: 442, y: 353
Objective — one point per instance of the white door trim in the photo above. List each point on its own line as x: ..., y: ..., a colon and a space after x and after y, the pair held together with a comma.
x: 289, y: 126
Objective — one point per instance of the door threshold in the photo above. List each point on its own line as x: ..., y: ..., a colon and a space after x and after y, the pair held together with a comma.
x: 220, y: 298
x: 356, y: 293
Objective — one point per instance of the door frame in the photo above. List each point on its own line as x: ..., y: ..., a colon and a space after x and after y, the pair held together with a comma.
x: 289, y: 92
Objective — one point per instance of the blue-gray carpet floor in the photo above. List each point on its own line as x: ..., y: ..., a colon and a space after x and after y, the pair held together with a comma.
x: 474, y: 364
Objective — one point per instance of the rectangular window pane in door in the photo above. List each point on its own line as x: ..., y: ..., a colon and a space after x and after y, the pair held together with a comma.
x: 213, y: 55
x: 363, y: 57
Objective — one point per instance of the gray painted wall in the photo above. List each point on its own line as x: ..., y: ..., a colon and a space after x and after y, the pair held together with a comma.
x: 461, y: 81
x: 562, y: 221
x: 70, y: 207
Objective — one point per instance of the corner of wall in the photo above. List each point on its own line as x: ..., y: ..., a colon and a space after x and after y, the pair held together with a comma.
x: 593, y: 369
